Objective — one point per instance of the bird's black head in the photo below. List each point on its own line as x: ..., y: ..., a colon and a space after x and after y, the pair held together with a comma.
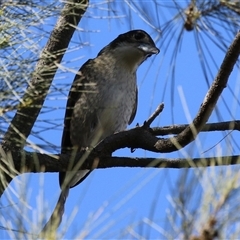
x: 136, y: 39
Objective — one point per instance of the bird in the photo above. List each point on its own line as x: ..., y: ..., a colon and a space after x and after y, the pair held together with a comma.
x: 102, y: 101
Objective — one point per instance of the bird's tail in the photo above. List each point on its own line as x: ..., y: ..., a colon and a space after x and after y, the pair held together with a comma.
x: 56, y: 217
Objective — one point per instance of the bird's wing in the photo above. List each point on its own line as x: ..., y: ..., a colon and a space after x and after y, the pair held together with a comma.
x: 134, y: 108
x: 75, y: 93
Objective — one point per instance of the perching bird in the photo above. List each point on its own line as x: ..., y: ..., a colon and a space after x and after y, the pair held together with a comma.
x: 102, y: 101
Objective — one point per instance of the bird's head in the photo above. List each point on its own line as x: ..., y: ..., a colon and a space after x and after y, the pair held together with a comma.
x: 131, y: 48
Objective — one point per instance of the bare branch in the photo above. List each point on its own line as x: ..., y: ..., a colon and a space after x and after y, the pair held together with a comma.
x: 209, y: 127
x: 210, y: 100
x: 37, y: 162
x: 154, y: 115
x: 139, y: 137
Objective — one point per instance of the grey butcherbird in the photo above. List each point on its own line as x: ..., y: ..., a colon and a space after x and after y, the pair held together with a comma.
x: 102, y: 101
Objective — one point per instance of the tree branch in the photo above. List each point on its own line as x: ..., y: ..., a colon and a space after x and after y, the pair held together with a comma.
x: 206, y: 108
x: 37, y: 162
x: 43, y: 75
x: 209, y: 127
x: 139, y: 137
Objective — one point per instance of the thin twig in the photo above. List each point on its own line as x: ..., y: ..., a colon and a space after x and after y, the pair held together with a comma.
x: 158, y: 110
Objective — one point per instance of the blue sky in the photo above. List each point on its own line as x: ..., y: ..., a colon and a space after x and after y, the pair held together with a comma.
x: 111, y: 200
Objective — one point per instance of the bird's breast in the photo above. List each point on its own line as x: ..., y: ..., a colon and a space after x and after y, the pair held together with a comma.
x: 117, y: 102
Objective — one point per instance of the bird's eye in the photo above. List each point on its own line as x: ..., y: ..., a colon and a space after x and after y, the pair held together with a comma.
x: 139, y: 35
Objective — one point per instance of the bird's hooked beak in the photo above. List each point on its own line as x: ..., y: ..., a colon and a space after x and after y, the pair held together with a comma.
x: 148, y: 49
